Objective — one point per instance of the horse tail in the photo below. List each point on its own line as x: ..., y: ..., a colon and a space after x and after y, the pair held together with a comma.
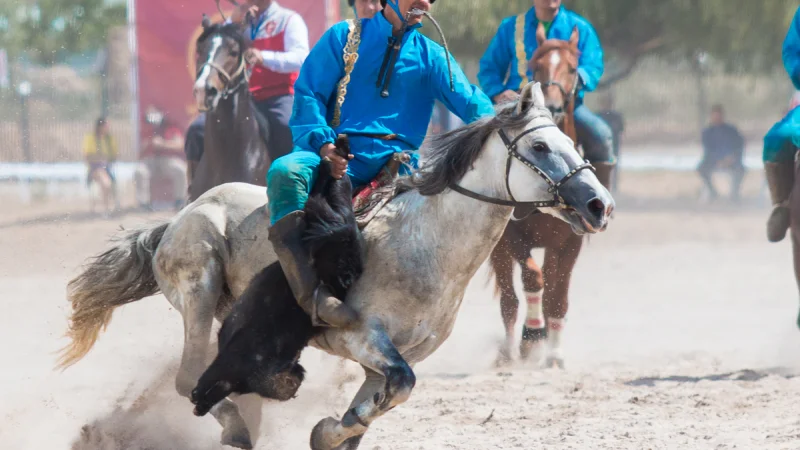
x: 122, y: 274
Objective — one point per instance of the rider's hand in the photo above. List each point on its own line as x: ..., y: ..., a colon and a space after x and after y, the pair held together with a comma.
x: 338, y: 164
x: 505, y: 96
x: 253, y: 57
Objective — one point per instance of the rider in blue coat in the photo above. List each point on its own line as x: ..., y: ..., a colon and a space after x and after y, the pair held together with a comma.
x: 781, y: 142
x: 384, y: 105
x: 500, y: 78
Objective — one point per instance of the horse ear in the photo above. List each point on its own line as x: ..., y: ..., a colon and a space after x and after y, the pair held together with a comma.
x: 206, y: 22
x: 530, y: 96
x: 541, y: 36
x: 574, y: 38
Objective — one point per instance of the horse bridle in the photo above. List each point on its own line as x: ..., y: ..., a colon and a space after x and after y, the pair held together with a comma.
x: 568, y: 96
x: 240, y: 70
x: 511, y: 146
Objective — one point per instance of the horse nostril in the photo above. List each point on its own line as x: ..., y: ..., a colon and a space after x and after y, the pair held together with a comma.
x: 211, y: 91
x: 597, y: 208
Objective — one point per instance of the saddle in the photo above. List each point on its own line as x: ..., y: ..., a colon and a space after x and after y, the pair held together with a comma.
x: 370, y: 199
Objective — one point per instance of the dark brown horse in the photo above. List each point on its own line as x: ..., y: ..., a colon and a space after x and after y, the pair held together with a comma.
x: 554, y: 64
x: 234, y: 147
x: 794, y: 208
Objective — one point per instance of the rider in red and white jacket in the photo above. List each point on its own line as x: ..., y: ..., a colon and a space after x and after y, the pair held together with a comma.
x: 279, y: 47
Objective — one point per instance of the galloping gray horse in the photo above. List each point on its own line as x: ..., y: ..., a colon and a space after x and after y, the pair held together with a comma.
x: 422, y: 250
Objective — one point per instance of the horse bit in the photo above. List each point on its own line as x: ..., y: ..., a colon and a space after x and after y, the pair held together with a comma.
x: 511, y: 146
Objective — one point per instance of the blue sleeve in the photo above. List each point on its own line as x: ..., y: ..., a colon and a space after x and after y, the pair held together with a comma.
x: 314, y: 89
x: 466, y: 101
x: 496, y: 60
x: 791, y: 50
x: 590, y: 65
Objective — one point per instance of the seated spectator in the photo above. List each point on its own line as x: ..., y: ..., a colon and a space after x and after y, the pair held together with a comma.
x: 100, y: 151
x: 723, y: 148
x: 162, y: 158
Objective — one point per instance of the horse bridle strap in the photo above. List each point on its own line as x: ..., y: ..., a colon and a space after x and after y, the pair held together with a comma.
x: 568, y: 96
x: 242, y: 69
x: 511, y: 146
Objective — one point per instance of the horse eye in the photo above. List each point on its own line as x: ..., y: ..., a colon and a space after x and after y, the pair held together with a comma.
x: 539, y: 147
x: 573, y: 71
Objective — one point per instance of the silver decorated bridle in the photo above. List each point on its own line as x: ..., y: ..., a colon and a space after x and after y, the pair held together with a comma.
x: 511, y: 145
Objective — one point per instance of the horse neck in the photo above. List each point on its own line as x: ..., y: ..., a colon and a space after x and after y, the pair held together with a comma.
x: 232, y: 137
x: 461, y: 231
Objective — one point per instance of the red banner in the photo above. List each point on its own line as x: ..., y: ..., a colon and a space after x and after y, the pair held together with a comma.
x: 165, y: 36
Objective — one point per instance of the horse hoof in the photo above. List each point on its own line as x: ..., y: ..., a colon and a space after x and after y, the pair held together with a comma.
x: 320, y: 435
x: 239, y: 438
x: 532, y: 351
x: 555, y: 362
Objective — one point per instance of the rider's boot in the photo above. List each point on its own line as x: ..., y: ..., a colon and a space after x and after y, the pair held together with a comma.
x: 315, y: 298
x: 604, y: 172
x: 780, y: 178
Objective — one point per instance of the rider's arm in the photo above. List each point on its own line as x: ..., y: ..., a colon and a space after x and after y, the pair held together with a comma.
x: 791, y: 50
x: 590, y: 65
x: 495, y: 62
x: 314, y: 89
x: 295, y: 44
x: 466, y: 101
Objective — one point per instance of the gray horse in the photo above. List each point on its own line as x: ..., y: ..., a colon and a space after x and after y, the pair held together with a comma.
x: 422, y: 250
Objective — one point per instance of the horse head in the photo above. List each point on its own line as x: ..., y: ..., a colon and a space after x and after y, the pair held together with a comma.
x: 518, y: 158
x: 221, y: 66
x: 555, y: 65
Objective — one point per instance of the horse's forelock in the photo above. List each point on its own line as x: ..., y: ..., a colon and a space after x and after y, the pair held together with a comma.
x: 554, y: 44
x: 230, y: 30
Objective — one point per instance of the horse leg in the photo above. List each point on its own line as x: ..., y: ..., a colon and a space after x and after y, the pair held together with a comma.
x: 196, y: 292
x: 558, y: 268
x: 501, y: 262
x: 531, y: 347
x: 796, y: 254
x: 389, y: 383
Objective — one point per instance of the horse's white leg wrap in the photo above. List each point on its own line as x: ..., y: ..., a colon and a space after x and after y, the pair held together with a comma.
x: 555, y: 330
x: 534, y: 318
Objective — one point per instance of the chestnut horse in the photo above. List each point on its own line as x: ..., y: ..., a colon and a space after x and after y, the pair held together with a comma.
x: 554, y: 64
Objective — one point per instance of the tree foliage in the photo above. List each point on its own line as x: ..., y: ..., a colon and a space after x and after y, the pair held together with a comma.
x: 740, y: 34
x: 46, y: 30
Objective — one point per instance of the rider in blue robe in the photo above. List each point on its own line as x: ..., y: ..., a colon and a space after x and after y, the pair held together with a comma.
x: 782, y: 141
x: 385, y: 108
x: 500, y: 78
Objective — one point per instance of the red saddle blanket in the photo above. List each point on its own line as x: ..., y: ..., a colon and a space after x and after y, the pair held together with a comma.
x: 370, y: 199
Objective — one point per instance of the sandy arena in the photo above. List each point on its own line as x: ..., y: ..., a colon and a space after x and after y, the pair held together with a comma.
x: 681, y: 335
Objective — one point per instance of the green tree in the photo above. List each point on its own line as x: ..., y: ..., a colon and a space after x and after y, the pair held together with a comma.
x: 45, y: 30
x: 738, y: 34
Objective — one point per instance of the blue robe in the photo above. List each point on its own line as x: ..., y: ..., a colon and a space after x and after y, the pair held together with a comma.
x: 500, y: 58
x: 783, y: 138
x: 420, y: 76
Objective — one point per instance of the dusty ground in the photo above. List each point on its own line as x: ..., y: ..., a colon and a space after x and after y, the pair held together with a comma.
x: 680, y: 335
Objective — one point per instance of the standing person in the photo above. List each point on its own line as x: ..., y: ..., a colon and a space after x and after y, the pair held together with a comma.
x: 384, y: 108
x: 723, y: 147
x: 781, y: 143
x: 502, y: 74
x: 365, y: 9
x: 162, y: 157
x: 100, y: 151
x: 616, y: 122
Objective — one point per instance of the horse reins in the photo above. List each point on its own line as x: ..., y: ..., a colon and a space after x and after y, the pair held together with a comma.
x: 513, y: 153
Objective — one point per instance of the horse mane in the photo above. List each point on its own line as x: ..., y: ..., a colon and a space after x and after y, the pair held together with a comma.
x: 450, y: 155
